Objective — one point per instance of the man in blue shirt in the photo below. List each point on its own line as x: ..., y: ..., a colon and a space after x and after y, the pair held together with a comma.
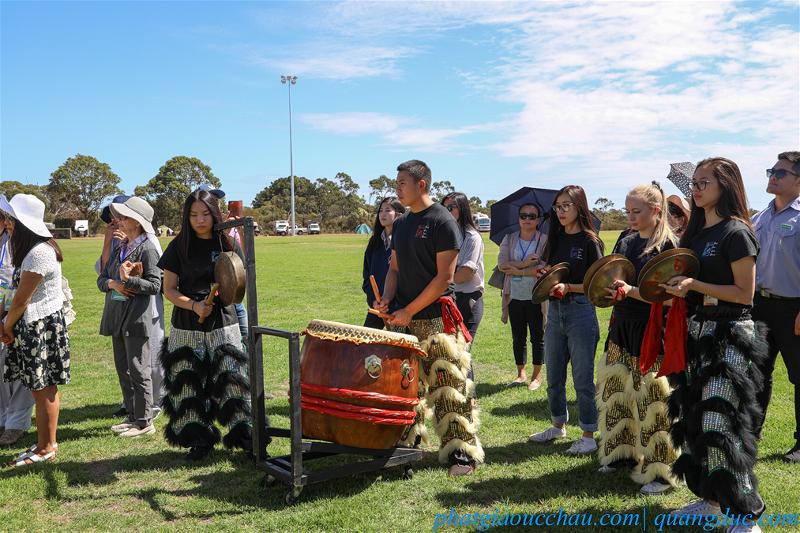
x: 777, y: 298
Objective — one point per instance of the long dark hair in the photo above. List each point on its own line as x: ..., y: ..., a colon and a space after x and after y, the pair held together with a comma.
x: 732, y: 201
x: 377, y: 228
x: 184, y: 237
x: 464, y: 211
x: 23, y: 240
x: 577, y: 196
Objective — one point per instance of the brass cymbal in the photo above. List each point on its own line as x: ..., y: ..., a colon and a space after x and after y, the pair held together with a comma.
x: 230, y: 274
x: 555, y: 275
x: 666, y: 265
x: 602, y: 275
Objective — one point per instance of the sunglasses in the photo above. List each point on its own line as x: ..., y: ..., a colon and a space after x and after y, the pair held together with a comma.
x: 779, y: 173
x: 451, y: 207
x: 563, y: 208
x: 700, y: 185
x: 528, y: 216
x: 676, y: 211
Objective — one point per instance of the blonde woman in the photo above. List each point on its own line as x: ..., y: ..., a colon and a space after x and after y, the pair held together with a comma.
x: 634, y: 427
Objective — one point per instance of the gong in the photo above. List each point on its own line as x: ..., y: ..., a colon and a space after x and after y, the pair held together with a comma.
x: 666, y: 265
x: 602, y: 275
x: 230, y: 274
x: 555, y: 275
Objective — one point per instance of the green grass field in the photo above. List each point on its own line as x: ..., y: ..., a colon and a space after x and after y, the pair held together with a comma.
x: 102, y: 482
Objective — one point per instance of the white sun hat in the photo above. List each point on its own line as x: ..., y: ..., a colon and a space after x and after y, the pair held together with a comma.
x: 28, y: 210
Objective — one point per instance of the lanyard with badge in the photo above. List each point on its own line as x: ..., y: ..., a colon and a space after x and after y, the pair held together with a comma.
x: 524, y: 253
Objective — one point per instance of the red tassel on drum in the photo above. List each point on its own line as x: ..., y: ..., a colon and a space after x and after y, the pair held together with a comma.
x: 653, y: 335
x: 675, y: 339
x: 452, y: 319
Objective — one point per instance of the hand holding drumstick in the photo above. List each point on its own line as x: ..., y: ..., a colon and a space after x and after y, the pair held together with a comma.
x: 204, y: 308
x: 378, y: 308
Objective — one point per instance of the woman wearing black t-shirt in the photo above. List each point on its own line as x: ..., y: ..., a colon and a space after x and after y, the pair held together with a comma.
x: 714, y: 402
x: 572, y: 331
x: 632, y: 405
x: 205, y: 366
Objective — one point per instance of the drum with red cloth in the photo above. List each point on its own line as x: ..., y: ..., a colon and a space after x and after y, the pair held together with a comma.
x: 359, y: 385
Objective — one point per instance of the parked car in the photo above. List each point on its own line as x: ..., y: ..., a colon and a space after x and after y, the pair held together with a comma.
x: 484, y: 223
x: 281, y: 227
x: 313, y: 228
x: 299, y: 230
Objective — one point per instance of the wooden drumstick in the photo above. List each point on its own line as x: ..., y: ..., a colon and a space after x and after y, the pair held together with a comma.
x: 375, y: 289
x: 378, y: 313
x: 209, y: 299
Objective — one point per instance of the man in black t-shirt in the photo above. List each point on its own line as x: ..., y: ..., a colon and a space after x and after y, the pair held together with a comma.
x: 418, y: 292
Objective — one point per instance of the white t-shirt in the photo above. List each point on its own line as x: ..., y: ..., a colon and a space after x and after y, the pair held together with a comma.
x: 470, y: 255
x: 48, y: 297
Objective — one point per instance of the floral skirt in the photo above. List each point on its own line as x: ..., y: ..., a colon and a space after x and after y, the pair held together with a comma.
x: 39, y: 356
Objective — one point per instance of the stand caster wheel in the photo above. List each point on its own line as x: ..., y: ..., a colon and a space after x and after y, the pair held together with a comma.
x: 292, y: 497
x: 408, y: 473
x: 268, y: 481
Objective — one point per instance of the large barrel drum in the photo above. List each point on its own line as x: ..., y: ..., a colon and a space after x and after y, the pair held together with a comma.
x: 359, y: 385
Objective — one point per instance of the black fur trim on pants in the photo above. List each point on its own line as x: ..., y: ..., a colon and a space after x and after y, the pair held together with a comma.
x: 696, y: 410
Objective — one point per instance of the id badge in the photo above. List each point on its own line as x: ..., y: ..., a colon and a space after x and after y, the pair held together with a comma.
x: 118, y: 296
x: 709, y: 301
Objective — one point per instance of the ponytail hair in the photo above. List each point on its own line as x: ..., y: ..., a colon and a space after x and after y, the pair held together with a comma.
x: 655, y: 198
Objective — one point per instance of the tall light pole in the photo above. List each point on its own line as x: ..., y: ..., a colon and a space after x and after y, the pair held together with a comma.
x: 289, y: 80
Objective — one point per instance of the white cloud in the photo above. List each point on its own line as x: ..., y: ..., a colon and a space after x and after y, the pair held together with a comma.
x: 402, y: 133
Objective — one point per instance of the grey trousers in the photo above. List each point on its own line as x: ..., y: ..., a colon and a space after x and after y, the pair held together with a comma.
x: 16, y: 401
x: 133, y: 361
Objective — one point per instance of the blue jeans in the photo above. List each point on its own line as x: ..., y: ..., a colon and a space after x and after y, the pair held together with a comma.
x: 241, y: 314
x: 572, y: 335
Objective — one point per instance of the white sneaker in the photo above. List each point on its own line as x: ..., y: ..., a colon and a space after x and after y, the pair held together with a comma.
x: 136, y: 431
x: 122, y: 428
x: 654, y: 488
x: 741, y: 528
x: 697, y: 507
x: 607, y: 469
x: 582, y: 446
x: 549, y: 434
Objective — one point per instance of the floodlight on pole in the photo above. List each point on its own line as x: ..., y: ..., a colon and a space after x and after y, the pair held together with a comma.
x: 290, y: 80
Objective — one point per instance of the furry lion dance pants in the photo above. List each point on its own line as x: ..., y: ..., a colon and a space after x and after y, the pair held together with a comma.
x: 446, y: 390
x: 205, y: 377
x: 634, y: 422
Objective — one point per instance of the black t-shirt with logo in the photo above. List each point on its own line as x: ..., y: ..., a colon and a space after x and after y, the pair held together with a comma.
x: 195, y: 276
x: 416, y: 239
x: 632, y: 246
x: 577, y: 249
x: 717, y: 247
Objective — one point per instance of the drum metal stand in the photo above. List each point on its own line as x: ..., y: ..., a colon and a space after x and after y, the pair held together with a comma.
x: 290, y: 469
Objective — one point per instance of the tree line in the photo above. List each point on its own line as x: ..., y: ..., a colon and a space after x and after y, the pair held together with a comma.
x: 82, y: 185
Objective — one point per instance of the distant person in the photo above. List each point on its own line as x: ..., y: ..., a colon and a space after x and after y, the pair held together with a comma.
x: 572, y: 330
x: 34, y: 329
x: 777, y: 301
x: 378, y: 254
x: 519, y: 260
x: 113, y: 239
x: 469, y: 274
x: 128, y: 314
x: 205, y: 364
x: 679, y: 210
x: 16, y: 401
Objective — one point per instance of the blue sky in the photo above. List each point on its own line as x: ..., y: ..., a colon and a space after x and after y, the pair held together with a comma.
x: 493, y: 96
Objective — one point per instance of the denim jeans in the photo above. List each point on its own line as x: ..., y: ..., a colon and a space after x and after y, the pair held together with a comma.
x: 572, y: 334
x: 241, y: 314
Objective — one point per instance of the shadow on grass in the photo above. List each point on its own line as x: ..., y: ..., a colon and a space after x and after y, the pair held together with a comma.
x: 240, y: 487
x: 483, y: 390
x: 76, y: 415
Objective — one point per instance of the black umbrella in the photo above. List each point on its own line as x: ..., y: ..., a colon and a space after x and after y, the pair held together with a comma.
x: 505, y: 212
